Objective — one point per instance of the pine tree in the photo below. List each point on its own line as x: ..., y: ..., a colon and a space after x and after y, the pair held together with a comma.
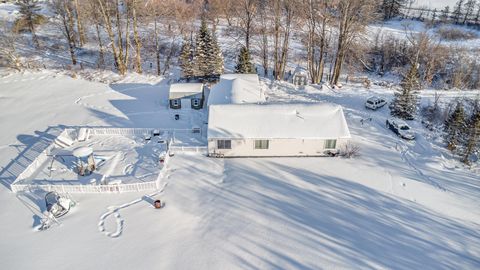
x: 208, y: 56
x: 472, y: 140
x: 405, y: 103
x: 202, y: 50
x: 455, y: 127
x: 244, y: 64
x: 216, y: 60
x: 29, y: 10
x: 186, y: 60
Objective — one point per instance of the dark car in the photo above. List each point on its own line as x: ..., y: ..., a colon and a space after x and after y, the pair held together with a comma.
x: 400, y: 128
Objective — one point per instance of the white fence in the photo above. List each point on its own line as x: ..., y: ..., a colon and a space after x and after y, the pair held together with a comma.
x: 17, y: 185
x: 115, y: 188
x: 137, y: 131
x: 88, y: 188
x: 188, y: 149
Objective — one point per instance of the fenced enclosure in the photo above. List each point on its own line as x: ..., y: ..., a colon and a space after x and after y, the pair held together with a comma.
x: 25, y: 181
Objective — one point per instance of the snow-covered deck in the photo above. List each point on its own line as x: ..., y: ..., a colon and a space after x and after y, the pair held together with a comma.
x: 125, y: 159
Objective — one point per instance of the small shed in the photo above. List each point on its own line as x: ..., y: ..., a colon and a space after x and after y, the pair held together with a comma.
x: 186, y: 96
x: 299, y: 76
x: 248, y: 130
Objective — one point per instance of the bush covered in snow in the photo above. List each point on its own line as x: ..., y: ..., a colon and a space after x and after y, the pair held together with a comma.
x: 455, y: 33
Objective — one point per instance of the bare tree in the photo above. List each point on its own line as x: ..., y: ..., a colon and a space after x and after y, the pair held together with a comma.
x: 8, y: 51
x: 95, y: 18
x: 317, y: 17
x: 264, y: 30
x: 79, y: 18
x: 283, y: 18
x: 136, y: 38
x: 225, y: 8
x: 116, y: 42
x: 246, y: 12
x: 353, y: 16
x: 64, y: 10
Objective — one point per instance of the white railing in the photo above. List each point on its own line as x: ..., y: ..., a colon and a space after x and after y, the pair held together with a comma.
x: 18, y: 184
x: 33, y: 167
x: 117, y: 188
x: 188, y: 149
x: 136, y: 131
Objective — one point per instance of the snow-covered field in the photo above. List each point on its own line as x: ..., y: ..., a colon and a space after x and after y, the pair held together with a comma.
x: 399, y: 205
x: 401, y: 29
x: 438, y: 4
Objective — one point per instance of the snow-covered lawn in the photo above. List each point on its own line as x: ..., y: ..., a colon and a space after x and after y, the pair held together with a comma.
x: 399, y: 205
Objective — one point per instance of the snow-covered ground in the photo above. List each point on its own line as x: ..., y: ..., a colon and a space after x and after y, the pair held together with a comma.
x: 399, y: 205
x: 438, y: 4
x: 400, y: 29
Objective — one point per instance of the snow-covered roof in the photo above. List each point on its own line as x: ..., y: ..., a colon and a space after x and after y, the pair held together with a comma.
x: 236, y: 89
x: 280, y: 121
x: 180, y: 90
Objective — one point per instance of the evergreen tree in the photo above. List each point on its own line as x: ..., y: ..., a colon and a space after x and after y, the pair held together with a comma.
x: 216, y: 60
x: 244, y: 64
x: 455, y: 127
x: 472, y: 140
x: 208, y: 56
x: 405, y: 103
x: 186, y: 60
x: 202, y: 49
x: 29, y: 10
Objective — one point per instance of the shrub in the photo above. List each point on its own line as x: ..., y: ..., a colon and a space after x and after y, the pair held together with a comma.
x: 21, y: 25
x: 350, y: 150
x: 455, y: 33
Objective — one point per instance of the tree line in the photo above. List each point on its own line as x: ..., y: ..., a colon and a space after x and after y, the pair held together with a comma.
x: 464, y: 12
x: 265, y: 28
x: 159, y: 34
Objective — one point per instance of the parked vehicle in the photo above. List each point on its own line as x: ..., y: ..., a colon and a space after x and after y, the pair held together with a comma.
x: 375, y: 103
x: 400, y: 128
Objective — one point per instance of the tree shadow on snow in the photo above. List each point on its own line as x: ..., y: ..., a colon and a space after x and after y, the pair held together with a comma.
x: 281, y: 216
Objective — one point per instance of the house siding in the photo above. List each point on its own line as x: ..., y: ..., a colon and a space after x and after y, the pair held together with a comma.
x: 277, y: 147
x: 189, y: 100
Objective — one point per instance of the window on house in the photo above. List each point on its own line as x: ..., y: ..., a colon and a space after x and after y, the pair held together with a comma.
x: 330, y: 144
x: 224, y: 144
x: 175, y: 102
x: 196, y: 102
x: 261, y: 144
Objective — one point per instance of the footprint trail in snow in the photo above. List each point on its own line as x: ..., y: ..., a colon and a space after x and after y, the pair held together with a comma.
x: 113, y: 211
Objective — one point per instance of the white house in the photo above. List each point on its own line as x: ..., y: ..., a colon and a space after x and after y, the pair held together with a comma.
x: 255, y: 130
x: 236, y: 89
x: 186, y: 96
